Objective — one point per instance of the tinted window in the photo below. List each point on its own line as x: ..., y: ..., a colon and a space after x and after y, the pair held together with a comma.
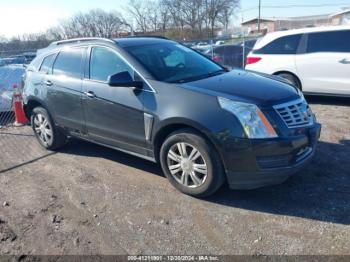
x: 284, y: 46
x: 34, y: 65
x: 105, y: 63
x: 218, y: 50
x: 231, y: 50
x: 171, y: 62
x: 69, y: 63
x: 337, y: 41
x: 47, y: 64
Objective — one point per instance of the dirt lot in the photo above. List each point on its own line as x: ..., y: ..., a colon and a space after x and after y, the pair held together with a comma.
x: 87, y: 199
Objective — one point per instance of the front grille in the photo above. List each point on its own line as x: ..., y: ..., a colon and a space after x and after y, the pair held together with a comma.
x: 296, y: 113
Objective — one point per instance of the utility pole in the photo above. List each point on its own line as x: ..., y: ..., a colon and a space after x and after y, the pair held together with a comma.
x: 259, y: 18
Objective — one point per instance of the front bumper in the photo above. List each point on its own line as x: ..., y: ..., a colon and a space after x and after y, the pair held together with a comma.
x: 252, y: 164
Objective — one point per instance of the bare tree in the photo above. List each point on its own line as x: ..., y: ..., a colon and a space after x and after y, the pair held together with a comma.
x: 139, y: 11
x: 219, y: 8
x: 95, y: 23
x: 164, y: 16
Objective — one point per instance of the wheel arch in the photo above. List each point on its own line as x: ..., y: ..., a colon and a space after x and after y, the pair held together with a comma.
x: 292, y: 74
x: 31, y: 104
x: 166, y: 129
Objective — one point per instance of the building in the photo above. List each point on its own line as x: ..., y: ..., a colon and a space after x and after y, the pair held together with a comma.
x: 268, y: 25
x: 341, y: 18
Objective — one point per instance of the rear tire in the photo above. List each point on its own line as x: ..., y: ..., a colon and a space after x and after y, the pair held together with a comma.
x: 191, y: 164
x: 45, y: 130
x: 291, y: 78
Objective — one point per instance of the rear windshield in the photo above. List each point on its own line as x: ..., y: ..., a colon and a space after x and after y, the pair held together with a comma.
x: 173, y: 63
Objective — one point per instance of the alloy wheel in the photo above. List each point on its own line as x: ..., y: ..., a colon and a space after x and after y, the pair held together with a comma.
x: 187, y: 165
x: 42, y: 128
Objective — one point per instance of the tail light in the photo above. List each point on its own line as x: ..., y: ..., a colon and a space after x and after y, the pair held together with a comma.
x: 252, y: 60
x: 216, y: 59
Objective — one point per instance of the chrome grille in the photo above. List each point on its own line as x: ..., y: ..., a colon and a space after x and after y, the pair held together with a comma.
x: 296, y: 113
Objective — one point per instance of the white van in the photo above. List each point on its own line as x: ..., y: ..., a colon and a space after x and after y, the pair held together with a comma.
x: 317, y: 60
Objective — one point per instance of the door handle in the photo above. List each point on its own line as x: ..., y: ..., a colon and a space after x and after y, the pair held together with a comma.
x: 90, y: 94
x: 48, y: 83
x: 345, y: 61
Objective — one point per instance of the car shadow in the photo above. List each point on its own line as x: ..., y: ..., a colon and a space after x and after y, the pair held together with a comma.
x: 320, y: 192
x: 328, y: 100
x: 83, y: 148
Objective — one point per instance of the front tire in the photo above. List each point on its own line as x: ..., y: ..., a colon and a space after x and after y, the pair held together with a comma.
x: 45, y: 130
x: 191, y: 164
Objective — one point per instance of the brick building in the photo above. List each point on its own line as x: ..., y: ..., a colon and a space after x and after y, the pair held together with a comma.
x: 268, y: 25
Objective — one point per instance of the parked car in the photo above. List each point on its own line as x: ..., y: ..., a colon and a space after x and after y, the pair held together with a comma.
x: 219, y: 42
x: 316, y: 60
x: 20, y: 60
x: 29, y: 56
x: 201, y: 46
x: 164, y: 102
x: 229, y: 56
x: 9, y: 75
x: 249, y: 44
x: 3, y: 62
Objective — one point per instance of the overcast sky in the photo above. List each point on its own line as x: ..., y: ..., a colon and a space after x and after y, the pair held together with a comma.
x: 31, y: 16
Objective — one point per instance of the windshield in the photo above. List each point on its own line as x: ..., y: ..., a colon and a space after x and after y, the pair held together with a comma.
x: 174, y: 63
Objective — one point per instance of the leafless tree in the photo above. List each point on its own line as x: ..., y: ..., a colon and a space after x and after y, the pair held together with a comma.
x: 95, y: 23
x: 139, y: 11
x: 195, y: 15
x: 219, y: 9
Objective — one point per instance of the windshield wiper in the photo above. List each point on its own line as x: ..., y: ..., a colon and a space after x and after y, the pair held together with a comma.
x: 195, y: 78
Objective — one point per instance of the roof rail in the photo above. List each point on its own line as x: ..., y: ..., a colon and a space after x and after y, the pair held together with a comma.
x: 79, y: 40
x: 148, y: 36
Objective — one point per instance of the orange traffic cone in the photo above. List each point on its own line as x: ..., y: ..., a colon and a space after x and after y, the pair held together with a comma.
x: 20, y: 116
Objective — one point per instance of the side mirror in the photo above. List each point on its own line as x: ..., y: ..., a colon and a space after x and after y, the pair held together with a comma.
x: 123, y: 79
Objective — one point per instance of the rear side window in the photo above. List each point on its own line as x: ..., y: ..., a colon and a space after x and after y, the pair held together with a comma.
x: 104, y: 63
x: 231, y: 50
x: 286, y: 45
x: 69, y: 63
x: 337, y: 41
x: 219, y: 50
x: 35, y: 64
x: 47, y: 64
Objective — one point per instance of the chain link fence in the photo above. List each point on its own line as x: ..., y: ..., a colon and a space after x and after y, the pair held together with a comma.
x: 230, y: 52
x: 18, y: 145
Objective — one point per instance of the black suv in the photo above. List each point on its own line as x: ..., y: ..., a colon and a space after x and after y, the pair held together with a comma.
x: 159, y: 100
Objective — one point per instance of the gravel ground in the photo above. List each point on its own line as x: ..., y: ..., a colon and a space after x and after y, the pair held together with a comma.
x: 87, y: 199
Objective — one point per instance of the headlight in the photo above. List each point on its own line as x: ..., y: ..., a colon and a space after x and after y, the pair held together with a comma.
x: 253, y: 121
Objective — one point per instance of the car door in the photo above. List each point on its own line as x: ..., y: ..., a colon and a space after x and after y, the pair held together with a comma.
x: 64, y: 89
x: 114, y: 115
x: 325, y: 66
x: 233, y: 56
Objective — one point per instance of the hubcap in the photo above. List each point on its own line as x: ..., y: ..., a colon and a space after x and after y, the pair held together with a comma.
x: 187, y: 165
x: 43, y: 129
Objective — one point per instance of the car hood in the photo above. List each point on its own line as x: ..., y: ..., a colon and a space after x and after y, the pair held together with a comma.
x: 247, y: 86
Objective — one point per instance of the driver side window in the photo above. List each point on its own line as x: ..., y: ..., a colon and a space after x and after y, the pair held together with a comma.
x: 104, y: 63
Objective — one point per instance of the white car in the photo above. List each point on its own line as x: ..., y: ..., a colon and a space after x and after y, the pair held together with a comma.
x: 201, y: 46
x: 316, y: 60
